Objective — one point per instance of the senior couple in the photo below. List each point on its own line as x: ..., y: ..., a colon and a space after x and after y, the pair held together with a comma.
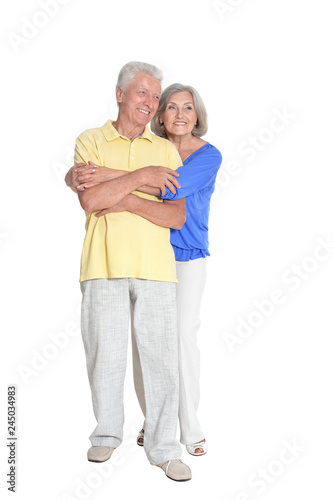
x: 146, y: 198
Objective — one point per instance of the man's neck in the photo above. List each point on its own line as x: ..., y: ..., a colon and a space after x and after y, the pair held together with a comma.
x: 123, y: 128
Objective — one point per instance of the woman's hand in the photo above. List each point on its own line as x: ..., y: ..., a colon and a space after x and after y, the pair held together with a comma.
x: 86, y: 175
x: 89, y: 175
x: 79, y: 177
x: 71, y: 175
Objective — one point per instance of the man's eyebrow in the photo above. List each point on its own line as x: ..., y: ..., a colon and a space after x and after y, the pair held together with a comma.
x: 144, y: 88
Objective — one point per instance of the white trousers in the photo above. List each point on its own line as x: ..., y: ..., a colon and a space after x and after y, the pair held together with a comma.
x: 105, y: 322
x: 191, y: 282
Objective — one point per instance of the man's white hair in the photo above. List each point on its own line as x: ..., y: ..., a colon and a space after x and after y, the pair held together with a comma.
x: 131, y: 69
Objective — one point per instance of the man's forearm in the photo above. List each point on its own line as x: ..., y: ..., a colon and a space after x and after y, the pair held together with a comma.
x: 171, y: 214
x: 109, y: 193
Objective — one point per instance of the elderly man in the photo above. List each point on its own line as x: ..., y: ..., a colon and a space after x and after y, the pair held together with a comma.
x: 127, y: 260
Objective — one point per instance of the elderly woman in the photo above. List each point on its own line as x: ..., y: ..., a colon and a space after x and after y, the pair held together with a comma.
x: 182, y: 119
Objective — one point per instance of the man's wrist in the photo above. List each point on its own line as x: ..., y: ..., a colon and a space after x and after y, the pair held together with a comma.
x: 140, y: 177
x: 131, y: 201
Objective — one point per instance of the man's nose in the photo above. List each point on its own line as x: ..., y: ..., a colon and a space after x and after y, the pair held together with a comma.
x: 148, y: 100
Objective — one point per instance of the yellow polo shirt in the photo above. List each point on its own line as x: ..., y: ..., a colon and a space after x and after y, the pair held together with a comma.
x: 125, y: 245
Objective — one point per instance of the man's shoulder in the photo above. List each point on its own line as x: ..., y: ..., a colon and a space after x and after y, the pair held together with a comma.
x: 161, y: 142
x: 92, y: 133
x: 167, y: 151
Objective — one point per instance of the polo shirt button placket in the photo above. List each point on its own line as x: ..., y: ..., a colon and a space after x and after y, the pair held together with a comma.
x: 132, y: 152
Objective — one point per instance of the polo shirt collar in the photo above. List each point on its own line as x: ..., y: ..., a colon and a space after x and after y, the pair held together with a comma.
x: 110, y: 133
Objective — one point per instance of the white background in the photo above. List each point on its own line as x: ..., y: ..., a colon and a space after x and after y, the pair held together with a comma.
x: 268, y: 215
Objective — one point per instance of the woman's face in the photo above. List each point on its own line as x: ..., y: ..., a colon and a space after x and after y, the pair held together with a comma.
x: 179, y: 117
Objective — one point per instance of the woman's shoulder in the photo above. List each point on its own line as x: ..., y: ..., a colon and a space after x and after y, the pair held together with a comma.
x: 207, y: 149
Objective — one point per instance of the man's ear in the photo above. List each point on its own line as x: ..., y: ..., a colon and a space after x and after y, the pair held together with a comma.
x: 119, y: 94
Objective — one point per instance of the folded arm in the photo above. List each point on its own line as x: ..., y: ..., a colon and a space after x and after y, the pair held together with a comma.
x: 171, y: 214
x: 99, y: 187
x: 102, y: 187
x: 109, y: 193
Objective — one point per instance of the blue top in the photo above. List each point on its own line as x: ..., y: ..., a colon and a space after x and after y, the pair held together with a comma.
x: 197, y: 181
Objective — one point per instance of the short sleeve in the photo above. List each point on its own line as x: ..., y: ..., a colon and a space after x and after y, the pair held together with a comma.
x: 86, y: 149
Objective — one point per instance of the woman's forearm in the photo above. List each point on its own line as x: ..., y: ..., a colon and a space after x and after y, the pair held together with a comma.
x: 149, y: 190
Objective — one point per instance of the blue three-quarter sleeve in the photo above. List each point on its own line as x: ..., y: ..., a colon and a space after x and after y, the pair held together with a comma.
x: 197, y: 172
x: 197, y: 182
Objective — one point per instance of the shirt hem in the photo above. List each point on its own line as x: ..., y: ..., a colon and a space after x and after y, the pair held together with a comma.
x: 113, y: 276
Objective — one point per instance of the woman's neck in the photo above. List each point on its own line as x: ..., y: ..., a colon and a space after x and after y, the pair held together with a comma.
x: 186, y: 144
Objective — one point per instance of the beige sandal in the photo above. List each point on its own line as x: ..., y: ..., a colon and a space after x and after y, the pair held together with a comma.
x: 139, y: 439
x: 191, y: 448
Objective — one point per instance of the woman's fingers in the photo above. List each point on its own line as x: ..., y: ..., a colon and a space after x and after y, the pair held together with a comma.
x: 84, y: 178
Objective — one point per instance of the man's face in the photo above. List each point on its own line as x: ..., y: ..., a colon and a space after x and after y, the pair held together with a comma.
x: 140, y: 101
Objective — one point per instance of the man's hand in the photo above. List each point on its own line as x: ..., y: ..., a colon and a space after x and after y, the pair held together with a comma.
x: 161, y: 178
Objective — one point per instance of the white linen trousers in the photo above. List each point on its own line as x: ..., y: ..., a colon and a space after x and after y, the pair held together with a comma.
x: 191, y: 283
x: 105, y: 323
